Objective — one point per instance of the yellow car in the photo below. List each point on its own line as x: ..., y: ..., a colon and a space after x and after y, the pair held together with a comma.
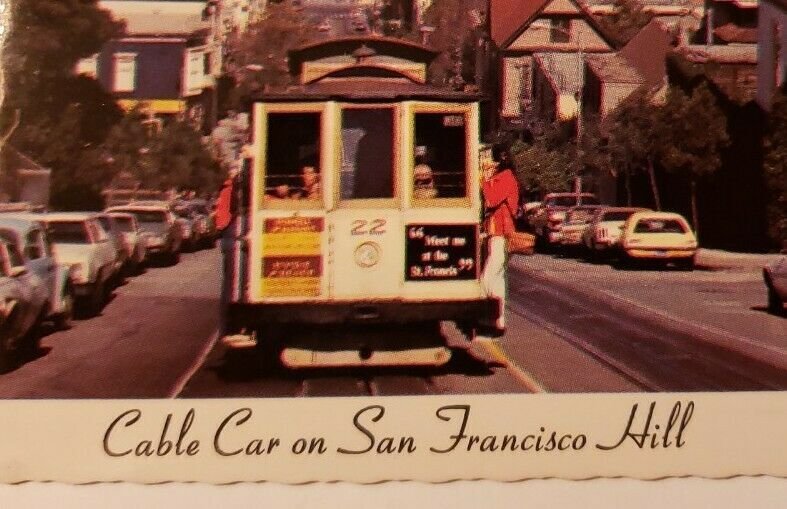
x: 658, y: 236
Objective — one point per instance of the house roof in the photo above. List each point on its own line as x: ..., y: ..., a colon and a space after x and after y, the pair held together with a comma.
x: 743, y: 4
x: 158, y: 17
x: 507, y: 16
x: 730, y: 32
x: 510, y: 18
x: 732, y: 68
x: 611, y: 68
x: 721, y: 54
x: 647, y: 51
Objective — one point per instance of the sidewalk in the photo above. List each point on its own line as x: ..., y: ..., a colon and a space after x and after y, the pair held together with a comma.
x: 718, y: 259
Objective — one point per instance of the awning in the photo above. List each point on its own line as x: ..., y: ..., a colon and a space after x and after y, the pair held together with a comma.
x: 155, y: 105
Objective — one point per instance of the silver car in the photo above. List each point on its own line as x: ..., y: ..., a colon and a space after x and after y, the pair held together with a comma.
x: 28, y: 232
x: 134, y: 240
x: 22, y: 306
x: 116, y: 237
x: 775, y: 275
x: 157, y: 221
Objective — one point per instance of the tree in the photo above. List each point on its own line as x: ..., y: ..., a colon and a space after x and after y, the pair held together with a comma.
x: 548, y: 164
x: 455, y: 32
x: 47, y: 38
x: 172, y: 158
x: 183, y: 162
x: 258, y: 57
x: 775, y: 166
x: 693, y: 135
x: 627, y: 19
x: 634, y: 134
x: 62, y: 118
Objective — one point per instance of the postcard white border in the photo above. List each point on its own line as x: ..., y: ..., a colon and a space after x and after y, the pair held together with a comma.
x: 70, y: 441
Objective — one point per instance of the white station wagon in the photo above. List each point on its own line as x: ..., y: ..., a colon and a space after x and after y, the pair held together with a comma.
x: 81, y: 242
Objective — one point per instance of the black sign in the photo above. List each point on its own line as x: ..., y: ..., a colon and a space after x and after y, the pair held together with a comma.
x: 441, y: 252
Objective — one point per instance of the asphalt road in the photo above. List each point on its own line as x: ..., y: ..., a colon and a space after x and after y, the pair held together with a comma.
x: 145, y: 341
x: 572, y: 327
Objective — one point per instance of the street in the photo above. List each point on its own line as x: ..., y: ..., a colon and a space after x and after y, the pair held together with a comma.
x: 572, y: 327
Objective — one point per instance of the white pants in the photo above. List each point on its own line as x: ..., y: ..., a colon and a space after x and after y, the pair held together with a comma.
x: 494, y: 277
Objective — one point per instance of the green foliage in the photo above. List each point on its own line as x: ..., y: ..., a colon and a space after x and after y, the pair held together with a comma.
x: 46, y: 39
x: 693, y: 133
x: 548, y: 164
x: 173, y: 158
x: 454, y: 30
x: 183, y: 162
x: 775, y: 167
x: 258, y: 56
x: 63, y: 118
x: 628, y: 18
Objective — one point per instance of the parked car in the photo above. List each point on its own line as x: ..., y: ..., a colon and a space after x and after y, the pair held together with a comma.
x: 22, y: 306
x: 28, y: 233
x: 110, y: 226
x: 526, y: 211
x: 775, y: 275
x: 206, y: 224
x: 577, y: 220
x: 161, y: 229
x: 602, y: 235
x: 187, y: 219
x: 658, y: 236
x: 134, y: 240
x: 82, y: 243
x: 547, y: 218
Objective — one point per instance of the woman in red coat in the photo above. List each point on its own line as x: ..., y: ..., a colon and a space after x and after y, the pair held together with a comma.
x: 501, y: 199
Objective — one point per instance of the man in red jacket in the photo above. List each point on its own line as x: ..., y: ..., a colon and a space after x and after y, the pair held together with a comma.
x: 501, y: 199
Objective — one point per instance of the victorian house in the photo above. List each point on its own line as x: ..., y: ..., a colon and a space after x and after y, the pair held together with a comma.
x: 542, y: 46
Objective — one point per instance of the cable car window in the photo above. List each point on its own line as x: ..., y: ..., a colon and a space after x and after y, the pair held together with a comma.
x: 440, y: 166
x: 293, y: 157
x: 367, y: 153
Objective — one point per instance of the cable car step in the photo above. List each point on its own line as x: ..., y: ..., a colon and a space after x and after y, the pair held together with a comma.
x: 302, y: 358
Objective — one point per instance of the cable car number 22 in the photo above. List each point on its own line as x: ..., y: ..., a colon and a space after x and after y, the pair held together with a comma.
x: 364, y: 227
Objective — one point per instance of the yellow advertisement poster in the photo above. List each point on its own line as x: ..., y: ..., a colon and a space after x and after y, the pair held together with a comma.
x: 292, y: 260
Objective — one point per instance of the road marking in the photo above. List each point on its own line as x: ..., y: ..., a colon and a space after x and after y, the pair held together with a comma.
x: 496, y: 351
x: 184, y: 379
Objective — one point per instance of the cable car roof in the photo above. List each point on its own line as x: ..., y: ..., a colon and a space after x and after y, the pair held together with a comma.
x: 366, y: 89
x: 346, y: 45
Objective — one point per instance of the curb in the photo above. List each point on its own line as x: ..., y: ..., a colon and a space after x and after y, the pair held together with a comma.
x: 712, y: 259
x: 765, y: 354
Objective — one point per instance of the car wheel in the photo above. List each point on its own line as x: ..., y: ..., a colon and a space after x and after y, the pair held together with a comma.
x: 687, y: 264
x: 174, y: 258
x: 64, y: 318
x: 775, y: 304
x: 97, y: 298
x: 8, y: 354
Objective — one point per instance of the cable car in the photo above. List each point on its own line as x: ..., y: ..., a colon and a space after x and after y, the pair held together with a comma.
x: 360, y: 227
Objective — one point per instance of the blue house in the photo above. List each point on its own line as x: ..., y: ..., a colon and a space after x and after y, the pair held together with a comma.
x: 167, y: 61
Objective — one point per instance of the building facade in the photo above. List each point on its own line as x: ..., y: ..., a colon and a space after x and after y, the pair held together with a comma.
x: 167, y: 61
x: 521, y: 30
